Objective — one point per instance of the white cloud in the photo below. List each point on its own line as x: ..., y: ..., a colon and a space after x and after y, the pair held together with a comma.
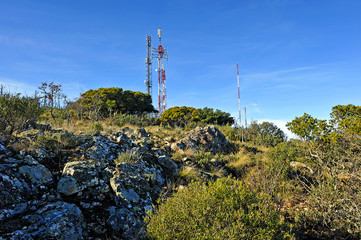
x: 15, y: 86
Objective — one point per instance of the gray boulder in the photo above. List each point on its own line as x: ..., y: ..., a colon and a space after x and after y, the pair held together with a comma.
x: 101, y: 149
x: 37, y: 175
x: 78, y: 176
x: 22, y: 180
x: 58, y: 220
x: 168, y: 164
x: 126, y: 222
x: 4, y: 152
x: 208, y: 139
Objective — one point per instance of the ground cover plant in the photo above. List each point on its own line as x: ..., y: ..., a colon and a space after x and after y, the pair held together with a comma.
x: 222, y: 209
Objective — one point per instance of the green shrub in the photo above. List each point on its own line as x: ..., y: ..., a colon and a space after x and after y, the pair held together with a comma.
x: 97, y: 127
x: 16, y: 113
x: 225, y: 209
x: 48, y: 142
x: 70, y: 141
x: 203, y: 159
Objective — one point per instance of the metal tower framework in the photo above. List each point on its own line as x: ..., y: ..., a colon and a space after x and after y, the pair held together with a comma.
x: 148, y: 66
x: 162, y: 89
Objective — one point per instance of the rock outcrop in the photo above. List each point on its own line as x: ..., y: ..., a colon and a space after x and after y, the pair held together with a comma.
x: 86, y: 190
x: 208, y: 139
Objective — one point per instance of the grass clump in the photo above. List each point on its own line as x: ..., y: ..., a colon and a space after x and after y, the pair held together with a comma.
x: 224, y: 209
x: 49, y: 143
x: 188, y: 174
x: 128, y: 157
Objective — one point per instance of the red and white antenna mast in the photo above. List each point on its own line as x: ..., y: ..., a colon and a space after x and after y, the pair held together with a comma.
x: 239, y: 98
x: 162, y: 89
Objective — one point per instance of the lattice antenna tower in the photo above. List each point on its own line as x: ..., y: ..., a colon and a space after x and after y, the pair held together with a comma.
x: 162, y: 89
x: 148, y: 66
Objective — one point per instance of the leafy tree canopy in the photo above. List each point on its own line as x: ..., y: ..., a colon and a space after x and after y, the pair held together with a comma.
x: 345, y: 120
x: 183, y: 115
x: 105, y: 101
x: 262, y: 134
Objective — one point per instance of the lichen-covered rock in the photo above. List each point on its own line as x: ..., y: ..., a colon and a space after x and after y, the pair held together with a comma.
x: 77, y: 176
x: 4, y: 152
x: 135, y: 186
x: 21, y: 180
x: 141, y: 133
x: 168, y: 164
x: 125, y: 222
x: 58, y: 220
x: 208, y: 139
x: 37, y: 175
x: 101, y: 149
x: 122, y: 139
x: 113, y: 197
x: 43, y: 155
x: 135, y: 183
x: 177, y: 146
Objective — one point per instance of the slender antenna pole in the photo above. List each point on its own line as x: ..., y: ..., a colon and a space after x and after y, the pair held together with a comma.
x: 239, y: 102
x: 239, y: 98
x: 245, y: 117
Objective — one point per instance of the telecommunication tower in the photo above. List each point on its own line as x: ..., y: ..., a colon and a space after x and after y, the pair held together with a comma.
x: 162, y: 89
x: 148, y: 67
x: 239, y: 98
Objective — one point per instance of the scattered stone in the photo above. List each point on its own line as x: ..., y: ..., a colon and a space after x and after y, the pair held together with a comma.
x: 168, y: 164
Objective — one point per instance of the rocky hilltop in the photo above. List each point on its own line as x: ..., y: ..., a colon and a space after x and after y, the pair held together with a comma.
x: 74, y: 186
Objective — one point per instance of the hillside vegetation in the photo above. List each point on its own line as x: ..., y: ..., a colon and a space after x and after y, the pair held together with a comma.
x: 108, y: 170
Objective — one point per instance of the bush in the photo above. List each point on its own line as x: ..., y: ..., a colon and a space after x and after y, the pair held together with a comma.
x: 181, y: 116
x: 16, y: 113
x: 48, y: 142
x: 334, y: 194
x: 204, y: 159
x: 71, y: 141
x: 97, y: 127
x: 225, y: 209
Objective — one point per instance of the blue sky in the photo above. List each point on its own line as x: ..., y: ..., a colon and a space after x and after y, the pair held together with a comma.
x: 295, y: 56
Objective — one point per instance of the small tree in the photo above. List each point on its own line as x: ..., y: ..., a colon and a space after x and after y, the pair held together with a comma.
x: 51, y: 94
